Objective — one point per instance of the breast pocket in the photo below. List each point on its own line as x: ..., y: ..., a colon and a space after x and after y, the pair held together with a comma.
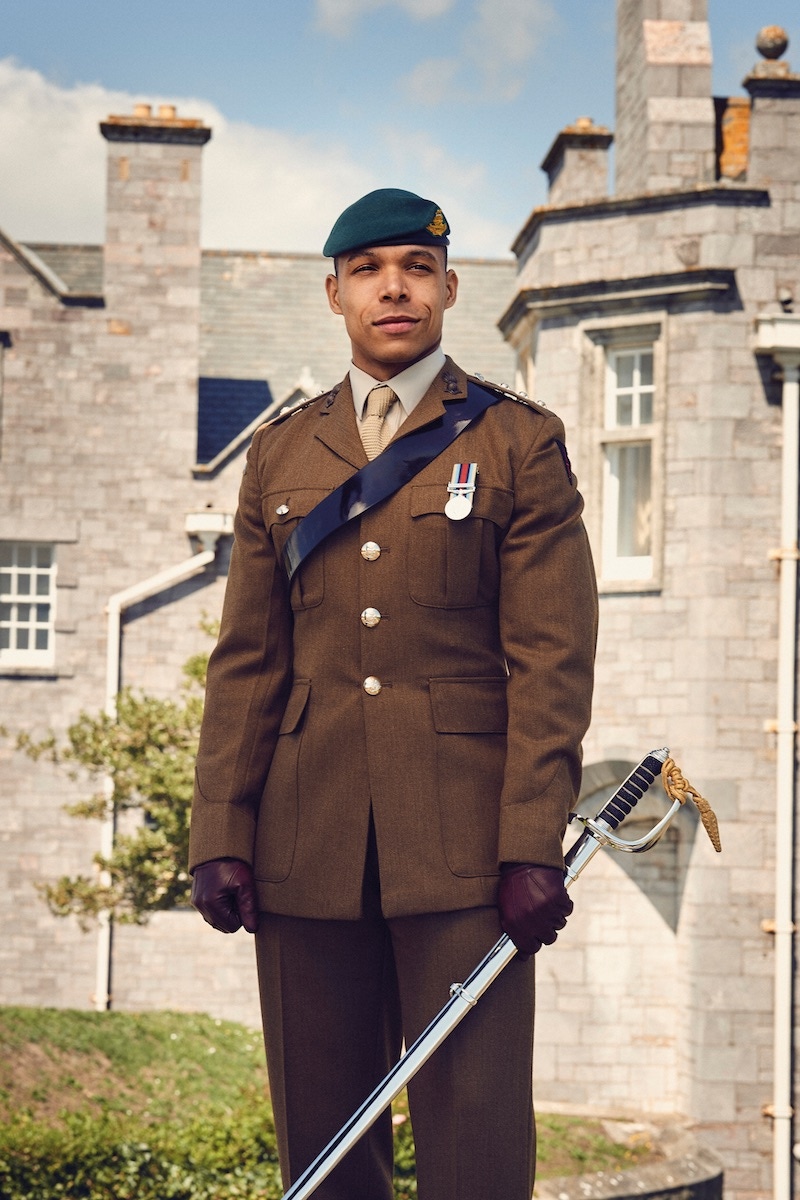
x: 283, y: 512
x: 454, y: 564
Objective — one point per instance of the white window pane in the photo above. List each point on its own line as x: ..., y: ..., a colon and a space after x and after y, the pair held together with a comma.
x: 646, y: 408
x: 634, y: 514
x: 23, y: 585
x: 646, y: 368
x: 5, y: 583
x: 42, y: 585
x: 24, y: 555
x: 6, y: 554
x: 625, y: 365
x: 44, y: 556
x: 625, y: 408
x: 5, y: 637
x: 22, y: 639
x: 42, y: 639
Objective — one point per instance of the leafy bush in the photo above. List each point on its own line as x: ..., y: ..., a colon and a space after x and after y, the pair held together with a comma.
x: 86, y: 1158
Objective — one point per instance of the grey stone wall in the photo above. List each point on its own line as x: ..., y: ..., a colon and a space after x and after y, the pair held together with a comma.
x: 690, y: 658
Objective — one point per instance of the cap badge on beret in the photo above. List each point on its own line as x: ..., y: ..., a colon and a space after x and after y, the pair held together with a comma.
x: 388, y: 217
x: 438, y: 225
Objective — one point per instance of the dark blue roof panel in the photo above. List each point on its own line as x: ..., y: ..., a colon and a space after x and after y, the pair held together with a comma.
x: 225, y: 408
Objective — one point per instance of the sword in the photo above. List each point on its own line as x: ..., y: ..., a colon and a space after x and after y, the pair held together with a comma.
x: 597, y: 832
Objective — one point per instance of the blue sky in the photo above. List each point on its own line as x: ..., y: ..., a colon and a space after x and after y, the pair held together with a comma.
x: 314, y: 102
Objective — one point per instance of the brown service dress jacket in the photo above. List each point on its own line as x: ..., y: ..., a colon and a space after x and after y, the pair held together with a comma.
x: 469, y: 754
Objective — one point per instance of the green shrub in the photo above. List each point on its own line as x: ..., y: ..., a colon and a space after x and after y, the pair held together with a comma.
x: 106, y: 1158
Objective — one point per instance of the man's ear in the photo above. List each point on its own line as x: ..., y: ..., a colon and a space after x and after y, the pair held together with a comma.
x: 332, y: 292
x: 451, y: 283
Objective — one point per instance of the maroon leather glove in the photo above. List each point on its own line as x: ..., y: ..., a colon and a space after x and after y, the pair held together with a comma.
x: 533, y: 904
x: 224, y: 893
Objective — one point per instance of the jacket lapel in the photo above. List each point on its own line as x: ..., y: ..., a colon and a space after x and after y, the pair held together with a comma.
x: 449, y: 384
x: 337, y: 427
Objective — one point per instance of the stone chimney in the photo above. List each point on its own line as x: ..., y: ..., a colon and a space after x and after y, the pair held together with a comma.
x: 152, y: 277
x: 153, y: 196
x: 665, y: 124
x: 577, y: 163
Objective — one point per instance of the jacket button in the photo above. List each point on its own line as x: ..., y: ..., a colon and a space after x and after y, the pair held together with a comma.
x: 370, y: 551
x: 372, y: 685
x: 370, y: 617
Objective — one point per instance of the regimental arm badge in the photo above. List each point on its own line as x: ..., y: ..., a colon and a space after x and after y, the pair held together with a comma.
x: 438, y: 226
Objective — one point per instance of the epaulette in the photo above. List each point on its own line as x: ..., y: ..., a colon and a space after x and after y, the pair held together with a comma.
x: 500, y: 389
x: 289, y: 410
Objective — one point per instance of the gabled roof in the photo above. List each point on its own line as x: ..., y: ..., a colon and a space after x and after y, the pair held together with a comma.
x: 45, y: 275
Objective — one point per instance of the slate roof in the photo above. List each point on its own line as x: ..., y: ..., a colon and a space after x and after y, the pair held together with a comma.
x: 267, y: 334
x: 224, y: 408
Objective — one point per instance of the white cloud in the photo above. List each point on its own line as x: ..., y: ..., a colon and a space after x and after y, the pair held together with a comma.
x: 262, y: 189
x: 339, y: 16
x: 496, y: 47
x: 432, y: 81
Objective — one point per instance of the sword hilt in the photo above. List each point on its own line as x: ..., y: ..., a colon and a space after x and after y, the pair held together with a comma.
x: 628, y: 795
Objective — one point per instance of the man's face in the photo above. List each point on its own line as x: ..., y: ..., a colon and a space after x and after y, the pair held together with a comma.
x: 393, y: 300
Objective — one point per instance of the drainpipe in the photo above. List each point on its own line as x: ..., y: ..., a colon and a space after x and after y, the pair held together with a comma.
x: 207, y: 527
x: 779, y: 335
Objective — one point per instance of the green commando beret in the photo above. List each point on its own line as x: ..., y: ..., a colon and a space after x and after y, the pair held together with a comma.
x: 388, y: 217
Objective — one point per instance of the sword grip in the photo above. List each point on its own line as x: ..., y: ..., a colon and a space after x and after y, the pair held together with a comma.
x: 631, y: 791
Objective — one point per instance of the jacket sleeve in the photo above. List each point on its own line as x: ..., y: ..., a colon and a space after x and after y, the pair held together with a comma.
x: 548, y: 625
x: 248, y: 682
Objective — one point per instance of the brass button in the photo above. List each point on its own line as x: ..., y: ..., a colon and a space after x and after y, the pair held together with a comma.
x: 370, y: 617
x: 372, y: 685
x: 370, y: 551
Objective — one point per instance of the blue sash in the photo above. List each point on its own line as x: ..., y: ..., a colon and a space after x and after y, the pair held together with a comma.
x: 384, y: 475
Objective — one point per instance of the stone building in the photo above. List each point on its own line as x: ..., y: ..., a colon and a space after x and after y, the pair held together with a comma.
x: 660, y: 318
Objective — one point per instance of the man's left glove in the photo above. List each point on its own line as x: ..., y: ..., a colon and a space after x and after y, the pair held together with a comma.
x: 224, y: 893
x: 533, y: 904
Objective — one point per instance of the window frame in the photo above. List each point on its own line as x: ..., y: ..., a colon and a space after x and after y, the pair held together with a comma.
x: 618, y: 437
x: 623, y: 573
x: 13, y: 656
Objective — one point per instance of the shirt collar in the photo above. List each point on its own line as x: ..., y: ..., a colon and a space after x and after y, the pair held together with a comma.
x: 409, y: 386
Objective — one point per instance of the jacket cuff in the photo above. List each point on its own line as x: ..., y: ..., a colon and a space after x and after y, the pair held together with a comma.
x: 220, y: 831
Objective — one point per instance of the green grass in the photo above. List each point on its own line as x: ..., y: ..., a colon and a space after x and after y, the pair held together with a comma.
x: 172, y: 1106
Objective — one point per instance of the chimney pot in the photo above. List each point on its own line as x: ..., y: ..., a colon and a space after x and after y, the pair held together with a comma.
x: 167, y: 112
x: 142, y: 110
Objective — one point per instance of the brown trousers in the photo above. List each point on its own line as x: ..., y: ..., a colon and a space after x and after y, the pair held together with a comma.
x: 339, y: 997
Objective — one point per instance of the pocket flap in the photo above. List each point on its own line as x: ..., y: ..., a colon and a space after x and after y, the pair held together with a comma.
x: 469, y: 705
x: 298, y: 502
x: 490, y: 503
x: 301, y: 689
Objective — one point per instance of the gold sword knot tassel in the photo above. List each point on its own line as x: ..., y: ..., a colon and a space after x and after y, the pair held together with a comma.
x: 678, y: 788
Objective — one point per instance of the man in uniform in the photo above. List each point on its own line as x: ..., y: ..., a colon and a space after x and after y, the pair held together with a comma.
x: 391, y: 740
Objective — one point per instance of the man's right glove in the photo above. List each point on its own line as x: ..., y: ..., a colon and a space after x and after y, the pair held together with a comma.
x: 533, y: 904
x: 224, y: 893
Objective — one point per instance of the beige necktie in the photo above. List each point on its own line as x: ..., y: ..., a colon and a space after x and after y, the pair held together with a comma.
x: 374, y: 433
